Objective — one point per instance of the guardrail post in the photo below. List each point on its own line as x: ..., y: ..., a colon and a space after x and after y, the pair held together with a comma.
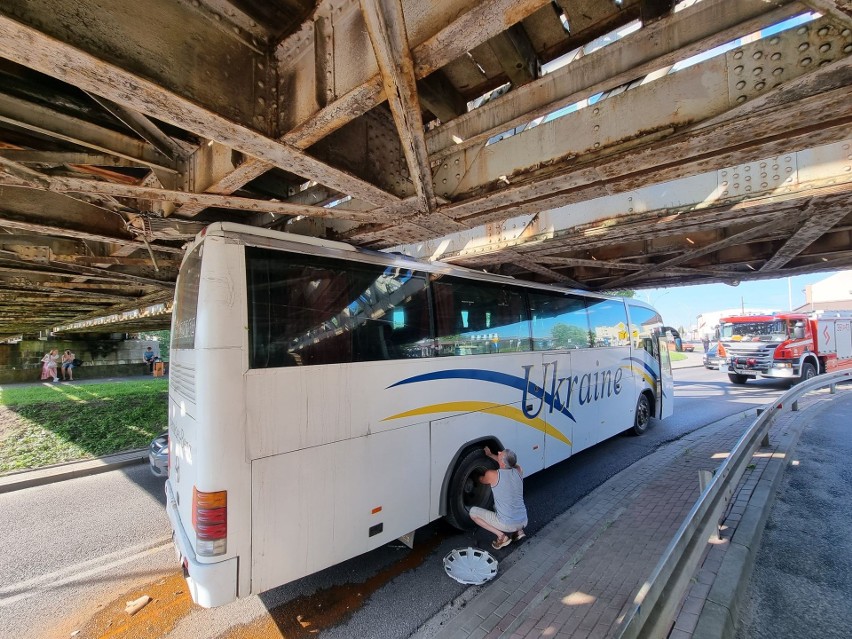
x: 764, y: 443
x: 832, y: 389
x: 795, y: 406
x: 704, y: 478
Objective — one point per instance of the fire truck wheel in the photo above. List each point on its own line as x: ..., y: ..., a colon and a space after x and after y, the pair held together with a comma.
x: 737, y: 379
x: 808, y: 371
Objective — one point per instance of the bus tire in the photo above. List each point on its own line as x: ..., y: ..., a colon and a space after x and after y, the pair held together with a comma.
x: 808, y: 371
x: 642, y: 418
x: 465, y: 490
x: 737, y: 379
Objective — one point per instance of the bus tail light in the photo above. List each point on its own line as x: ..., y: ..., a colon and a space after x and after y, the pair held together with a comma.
x: 210, y: 521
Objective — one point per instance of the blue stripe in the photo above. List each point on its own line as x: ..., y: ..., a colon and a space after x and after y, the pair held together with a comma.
x: 493, y: 377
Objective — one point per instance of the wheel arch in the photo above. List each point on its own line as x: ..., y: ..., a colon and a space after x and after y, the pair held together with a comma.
x: 480, y: 442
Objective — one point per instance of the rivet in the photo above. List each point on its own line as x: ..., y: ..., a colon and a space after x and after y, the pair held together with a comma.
x: 738, y: 55
x: 458, y: 176
x: 724, y: 193
x: 741, y: 84
x: 747, y: 168
x: 825, y: 47
x: 822, y: 63
x: 738, y: 69
x: 763, y: 185
x: 757, y: 71
x: 741, y: 99
x: 597, y: 127
x: 805, y: 62
x: 804, y: 46
x: 802, y: 30
x: 444, y: 181
x: 759, y: 85
x: 775, y: 178
x: 823, y: 31
x: 847, y: 48
x: 774, y: 40
x: 748, y: 188
x: 775, y: 56
x: 630, y: 210
x: 596, y: 111
x: 846, y: 33
x: 736, y: 175
x: 456, y: 162
x: 724, y: 183
x: 748, y: 178
x: 445, y: 166
x: 597, y: 144
x: 724, y: 173
x: 736, y: 185
x: 757, y: 55
x: 237, y: 30
x: 763, y: 176
x: 778, y: 71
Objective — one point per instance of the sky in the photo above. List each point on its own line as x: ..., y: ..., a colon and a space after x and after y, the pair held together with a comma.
x: 680, y: 305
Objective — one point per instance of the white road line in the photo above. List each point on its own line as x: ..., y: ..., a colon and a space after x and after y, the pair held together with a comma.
x: 80, y: 572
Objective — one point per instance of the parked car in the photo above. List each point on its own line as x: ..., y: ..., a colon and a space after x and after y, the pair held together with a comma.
x: 712, y: 359
x: 158, y: 455
x: 688, y: 347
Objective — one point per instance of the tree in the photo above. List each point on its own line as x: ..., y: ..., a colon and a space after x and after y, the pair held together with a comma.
x: 565, y: 336
x: 626, y: 292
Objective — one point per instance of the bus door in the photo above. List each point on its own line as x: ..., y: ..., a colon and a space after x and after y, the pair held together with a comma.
x: 665, y: 386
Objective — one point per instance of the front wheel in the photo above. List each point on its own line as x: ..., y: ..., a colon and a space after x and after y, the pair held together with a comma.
x: 466, y: 491
x: 737, y: 379
x: 808, y: 371
x: 643, y: 415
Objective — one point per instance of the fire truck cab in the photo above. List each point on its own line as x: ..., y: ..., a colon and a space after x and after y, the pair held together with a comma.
x: 794, y: 346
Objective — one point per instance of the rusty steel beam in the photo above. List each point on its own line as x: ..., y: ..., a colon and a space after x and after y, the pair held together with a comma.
x: 30, y: 47
x: 811, y: 229
x: 386, y: 26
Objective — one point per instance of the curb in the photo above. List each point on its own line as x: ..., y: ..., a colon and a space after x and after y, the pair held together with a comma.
x: 718, y: 617
x: 71, y: 470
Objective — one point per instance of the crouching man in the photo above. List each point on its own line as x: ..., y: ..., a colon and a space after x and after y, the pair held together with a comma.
x: 507, y: 485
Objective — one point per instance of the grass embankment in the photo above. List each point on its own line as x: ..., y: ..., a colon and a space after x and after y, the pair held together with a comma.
x: 53, y: 423
x: 677, y: 357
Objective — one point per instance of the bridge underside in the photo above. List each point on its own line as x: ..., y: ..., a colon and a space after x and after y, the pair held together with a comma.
x: 594, y: 143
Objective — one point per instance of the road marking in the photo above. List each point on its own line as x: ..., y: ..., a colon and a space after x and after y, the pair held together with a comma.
x: 79, y: 572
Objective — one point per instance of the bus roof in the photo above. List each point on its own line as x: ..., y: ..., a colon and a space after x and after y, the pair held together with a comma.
x: 257, y: 236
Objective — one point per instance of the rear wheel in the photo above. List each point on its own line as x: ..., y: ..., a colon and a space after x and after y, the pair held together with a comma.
x: 643, y: 415
x: 466, y: 491
x: 737, y: 379
x: 808, y: 371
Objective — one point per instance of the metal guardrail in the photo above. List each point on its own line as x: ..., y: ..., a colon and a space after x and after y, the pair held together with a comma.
x: 654, y: 607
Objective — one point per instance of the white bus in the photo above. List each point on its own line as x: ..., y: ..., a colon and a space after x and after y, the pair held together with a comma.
x: 325, y: 400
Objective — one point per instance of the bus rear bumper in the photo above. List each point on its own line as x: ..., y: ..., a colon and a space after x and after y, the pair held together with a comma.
x: 210, y: 585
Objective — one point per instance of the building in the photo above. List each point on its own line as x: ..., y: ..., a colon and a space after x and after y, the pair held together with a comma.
x: 833, y: 293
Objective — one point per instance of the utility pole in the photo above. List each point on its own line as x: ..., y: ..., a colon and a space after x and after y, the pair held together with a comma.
x: 742, y: 305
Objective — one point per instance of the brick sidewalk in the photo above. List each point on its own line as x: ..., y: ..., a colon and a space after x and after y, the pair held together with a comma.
x: 580, y: 574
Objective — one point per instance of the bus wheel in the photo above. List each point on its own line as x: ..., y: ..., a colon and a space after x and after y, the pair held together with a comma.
x: 643, y: 415
x: 465, y: 489
x: 808, y: 371
x: 737, y: 379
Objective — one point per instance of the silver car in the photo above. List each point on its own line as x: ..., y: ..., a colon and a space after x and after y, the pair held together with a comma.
x: 158, y: 455
x: 712, y: 359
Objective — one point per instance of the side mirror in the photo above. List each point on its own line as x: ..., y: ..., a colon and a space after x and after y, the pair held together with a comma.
x: 799, y: 331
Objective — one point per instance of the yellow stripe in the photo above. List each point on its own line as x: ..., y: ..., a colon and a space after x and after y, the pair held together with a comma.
x: 648, y: 379
x: 509, y: 412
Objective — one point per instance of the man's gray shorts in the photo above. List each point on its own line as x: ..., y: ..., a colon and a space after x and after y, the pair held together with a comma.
x: 490, y: 517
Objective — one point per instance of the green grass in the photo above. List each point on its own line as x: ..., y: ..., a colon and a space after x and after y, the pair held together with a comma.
x: 677, y: 357
x: 55, y: 423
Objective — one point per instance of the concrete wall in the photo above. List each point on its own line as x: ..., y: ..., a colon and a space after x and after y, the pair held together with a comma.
x: 102, y: 357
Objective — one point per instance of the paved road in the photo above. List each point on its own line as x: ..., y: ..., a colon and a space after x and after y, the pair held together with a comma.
x: 802, y: 581
x: 112, y: 528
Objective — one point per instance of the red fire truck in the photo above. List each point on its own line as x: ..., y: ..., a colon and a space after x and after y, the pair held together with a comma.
x: 794, y: 346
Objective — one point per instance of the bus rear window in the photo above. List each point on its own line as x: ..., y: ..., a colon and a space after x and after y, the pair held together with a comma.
x: 186, y: 302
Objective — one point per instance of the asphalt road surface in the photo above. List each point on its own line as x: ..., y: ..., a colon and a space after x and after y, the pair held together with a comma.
x: 802, y: 580
x: 76, y: 550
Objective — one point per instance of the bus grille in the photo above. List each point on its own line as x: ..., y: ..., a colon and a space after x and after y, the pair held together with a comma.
x: 183, y: 381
